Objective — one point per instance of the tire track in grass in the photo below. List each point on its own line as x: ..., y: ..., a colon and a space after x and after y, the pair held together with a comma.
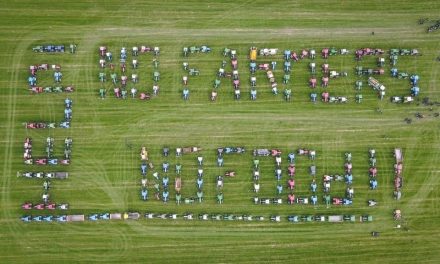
x: 431, y: 180
x: 10, y: 126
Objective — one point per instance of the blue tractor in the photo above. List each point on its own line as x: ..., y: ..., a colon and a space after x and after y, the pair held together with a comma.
x: 61, y: 218
x: 414, y: 79
x: 57, y: 76
x: 165, y: 166
x: 415, y: 90
x: 373, y: 184
x: 313, y: 97
x: 220, y: 161
x: 105, y: 216
x: 144, y: 194
x: 37, y: 218
x: 93, y: 217
x: 48, y: 218
x: 165, y: 195
x: 26, y: 218
x: 199, y: 183
x: 314, y: 199
x: 165, y: 181
x: 144, y: 169
x: 185, y: 94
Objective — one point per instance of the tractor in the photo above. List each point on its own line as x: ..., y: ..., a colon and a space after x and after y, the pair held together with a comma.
x: 287, y: 66
x: 287, y: 55
x: 403, y: 75
x: 335, y: 74
x: 312, y: 82
x: 156, y: 76
x: 324, y: 81
x: 333, y: 51
x: 404, y: 52
x: 205, y: 49
x: 393, y: 59
x: 312, y: 67
x: 325, y: 53
x: 380, y: 61
x: 194, y: 72
x: 252, y: 67
x: 304, y: 53
x: 312, y: 54
x: 287, y: 94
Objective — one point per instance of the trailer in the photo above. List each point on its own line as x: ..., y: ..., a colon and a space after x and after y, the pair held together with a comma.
x: 116, y: 216
x: 57, y: 175
x: 75, y: 218
x: 398, y: 154
x: 375, y: 84
x: 335, y: 218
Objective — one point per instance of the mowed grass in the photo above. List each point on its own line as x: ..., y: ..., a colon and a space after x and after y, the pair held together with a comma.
x: 108, y: 133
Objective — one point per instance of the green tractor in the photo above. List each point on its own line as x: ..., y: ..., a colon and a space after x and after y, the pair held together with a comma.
x: 178, y: 198
x: 380, y: 61
x: 156, y: 63
x: 403, y: 75
x: 200, y: 196
x: 194, y: 49
x: 228, y: 217
x: 394, y: 52
x: 185, y: 51
x: 37, y: 49
x: 216, y: 217
x: 226, y: 52
x: 220, y: 198
x: 217, y: 83
x: 393, y: 59
x: 405, y: 52
x: 358, y: 85
x: 287, y: 94
x: 359, y: 70
x: 366, y: 218
x: 194, y: 72
x: 102, y: 93
x: 359, y: 98
x: 349, y: 218
x: 327, y: 200
x: 307, y: 218
x: 286, y: 78
x: 156, y: 76
x: 333, y: 51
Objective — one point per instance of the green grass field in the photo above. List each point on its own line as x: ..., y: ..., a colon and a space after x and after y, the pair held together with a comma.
x: 107, y: 134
